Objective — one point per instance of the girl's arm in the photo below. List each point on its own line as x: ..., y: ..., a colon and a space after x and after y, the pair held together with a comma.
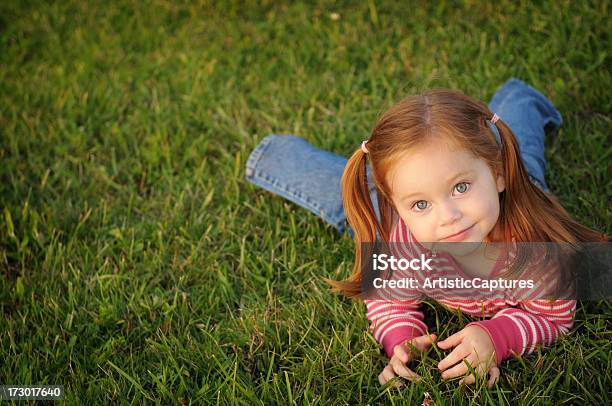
x: 395, y: 321
x: 519, y: 329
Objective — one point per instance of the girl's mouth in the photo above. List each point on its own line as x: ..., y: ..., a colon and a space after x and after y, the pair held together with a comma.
x: 460, y: 236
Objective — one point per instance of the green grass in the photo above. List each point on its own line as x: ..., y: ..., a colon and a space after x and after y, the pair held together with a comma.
x: 138, y: 265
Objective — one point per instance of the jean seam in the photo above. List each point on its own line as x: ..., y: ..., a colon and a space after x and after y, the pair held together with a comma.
x: 256, y: 155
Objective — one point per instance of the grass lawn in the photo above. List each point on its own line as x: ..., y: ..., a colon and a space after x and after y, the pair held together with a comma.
x: 138, y: 265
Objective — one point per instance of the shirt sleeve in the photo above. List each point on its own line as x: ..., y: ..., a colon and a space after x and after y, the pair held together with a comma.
x: 517, y: 330
x: 393, y: 322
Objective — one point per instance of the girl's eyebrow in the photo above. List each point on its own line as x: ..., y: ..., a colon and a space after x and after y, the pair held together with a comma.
x: 450, y: 180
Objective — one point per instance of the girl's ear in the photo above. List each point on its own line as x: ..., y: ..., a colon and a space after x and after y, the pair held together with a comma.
x: 501, y: 183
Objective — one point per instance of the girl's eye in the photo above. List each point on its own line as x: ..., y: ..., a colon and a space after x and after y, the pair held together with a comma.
x: 420, y: 205
x: 462, y: 187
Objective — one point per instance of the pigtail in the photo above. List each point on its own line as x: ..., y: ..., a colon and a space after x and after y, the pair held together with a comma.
x: 524, y: 201
x: 519, y: 189
x: 531, y: 215
x: 361, y: 216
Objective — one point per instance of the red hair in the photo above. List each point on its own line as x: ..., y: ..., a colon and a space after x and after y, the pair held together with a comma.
x: 531, y: 214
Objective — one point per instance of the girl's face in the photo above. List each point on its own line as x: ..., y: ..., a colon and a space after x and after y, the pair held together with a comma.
x: 440, y: 190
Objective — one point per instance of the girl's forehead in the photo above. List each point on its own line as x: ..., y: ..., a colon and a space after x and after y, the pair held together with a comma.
x: 430, y: 165
x: 434, y: 156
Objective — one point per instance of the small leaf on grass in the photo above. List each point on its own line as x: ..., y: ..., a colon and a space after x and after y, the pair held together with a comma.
x: 10, y: 229
x: 116, y: 232
x: 19, y: 287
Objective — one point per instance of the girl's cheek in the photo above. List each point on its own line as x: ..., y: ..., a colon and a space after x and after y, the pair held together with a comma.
x: 422, y: 229
x: 490, y: 208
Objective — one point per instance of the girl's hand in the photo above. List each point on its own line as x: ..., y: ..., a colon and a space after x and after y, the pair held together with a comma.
x: 474, y: 346
x: 402, y: 354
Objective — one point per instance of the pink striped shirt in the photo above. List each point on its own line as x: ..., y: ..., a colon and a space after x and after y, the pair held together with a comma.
x: 515, y: 327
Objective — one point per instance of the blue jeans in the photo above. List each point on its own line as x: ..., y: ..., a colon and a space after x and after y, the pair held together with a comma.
x: 310, y: 177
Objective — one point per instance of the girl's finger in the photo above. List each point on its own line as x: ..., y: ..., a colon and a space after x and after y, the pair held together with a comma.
x: 494, y: 372
x: 423, y: 342
x: 460, y: 369
x: 383, y: 380
x: 403, y: 371
x: 386, y: 375
x: 470, y: 379
x: 401, y: 353
x: 455, y: 356
x: 451, y: 341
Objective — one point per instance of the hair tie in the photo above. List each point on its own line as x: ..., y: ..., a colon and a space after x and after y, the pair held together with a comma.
x: 493, y: 128
x: 364, y: 148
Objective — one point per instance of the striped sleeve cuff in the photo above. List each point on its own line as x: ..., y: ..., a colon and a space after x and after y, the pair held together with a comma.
x: 400, y: 332
x: 507, y: 336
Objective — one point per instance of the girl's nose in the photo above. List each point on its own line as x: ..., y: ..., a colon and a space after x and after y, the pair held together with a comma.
x: 449, y: 213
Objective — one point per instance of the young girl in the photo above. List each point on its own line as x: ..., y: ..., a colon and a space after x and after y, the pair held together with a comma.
x: 443, y: 168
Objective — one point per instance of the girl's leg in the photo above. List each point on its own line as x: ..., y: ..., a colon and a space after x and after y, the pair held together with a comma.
x: 308, y: 176
x: 530, y: 115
